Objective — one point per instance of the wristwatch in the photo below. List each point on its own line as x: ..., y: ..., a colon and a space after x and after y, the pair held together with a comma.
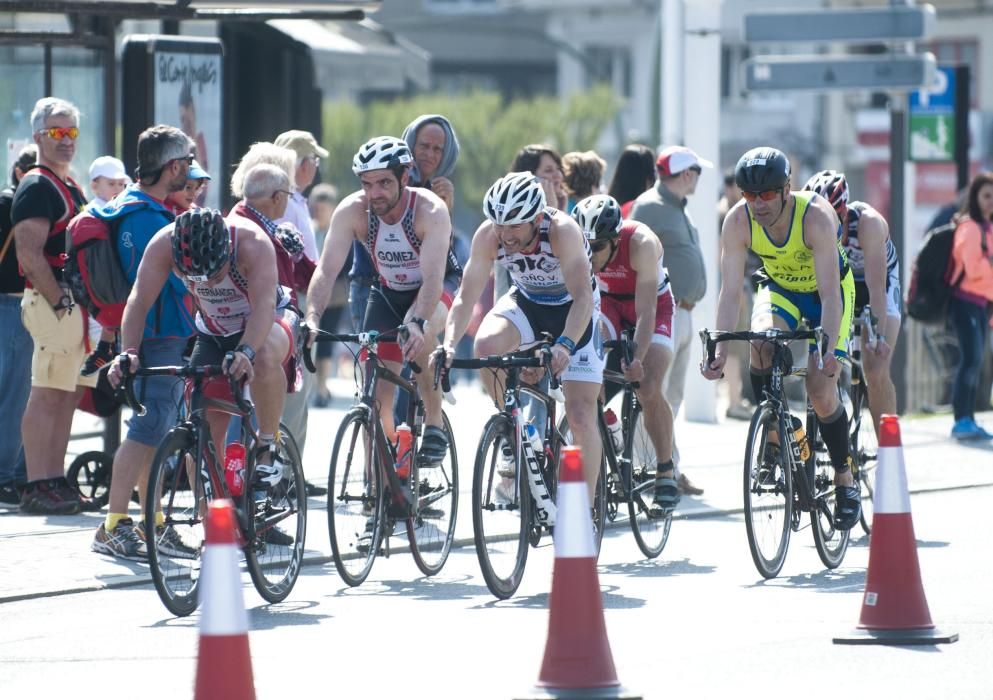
x: 65, y: 302
x: 247, y: 351
x: 419, y: 321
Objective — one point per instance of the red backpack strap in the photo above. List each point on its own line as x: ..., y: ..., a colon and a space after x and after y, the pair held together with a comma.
x: 62, y: 188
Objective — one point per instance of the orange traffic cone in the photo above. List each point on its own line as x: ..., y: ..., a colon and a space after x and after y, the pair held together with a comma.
x: 578, y: 662
x: 894, y: 608
x: 224, y: 663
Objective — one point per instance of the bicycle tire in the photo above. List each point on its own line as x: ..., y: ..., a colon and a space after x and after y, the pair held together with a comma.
x: 432, y: 529
x: 355, y: 498
x: 768, y: 505
x: 176, y: 578
x: 830, y: 543
x: 501, y: 512
x: 89, y: 475
x: 651, y: 534
x: 274, y: 563
x: 865, y: 451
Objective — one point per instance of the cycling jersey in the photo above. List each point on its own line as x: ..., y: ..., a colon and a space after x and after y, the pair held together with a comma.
x: 790, y: 264
x: 538, y: 275
x: 395, y: 249
x: 618, y: 278
x: 853, y: 249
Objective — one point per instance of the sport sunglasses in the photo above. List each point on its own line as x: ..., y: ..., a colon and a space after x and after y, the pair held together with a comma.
x: 766, y: 196
x: 58, y: 133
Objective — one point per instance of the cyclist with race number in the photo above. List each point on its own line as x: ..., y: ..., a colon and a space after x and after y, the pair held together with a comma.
x: 805, y: 277
x: 875, y: 267
x: 407, y: 232
x: 635, y: 294
x: 553, y: 292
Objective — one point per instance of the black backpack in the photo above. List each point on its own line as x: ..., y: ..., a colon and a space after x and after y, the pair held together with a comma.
x: 931, y: 283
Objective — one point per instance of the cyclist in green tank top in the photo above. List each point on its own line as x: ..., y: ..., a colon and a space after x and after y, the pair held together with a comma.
x: 805, y: 277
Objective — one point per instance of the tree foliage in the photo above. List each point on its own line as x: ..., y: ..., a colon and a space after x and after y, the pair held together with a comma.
x: 490, y: 130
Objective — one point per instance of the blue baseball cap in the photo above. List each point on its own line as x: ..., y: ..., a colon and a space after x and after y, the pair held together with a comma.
x: 197, y: 172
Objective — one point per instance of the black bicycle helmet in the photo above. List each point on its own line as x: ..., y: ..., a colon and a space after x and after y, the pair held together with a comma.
x: 201, y: 244
x: 762, y: 169
x: 599, y: 217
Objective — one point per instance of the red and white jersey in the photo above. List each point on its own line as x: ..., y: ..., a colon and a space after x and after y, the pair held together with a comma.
x: 223, y: 307
x: 618, y: 278
x: 395, y: 249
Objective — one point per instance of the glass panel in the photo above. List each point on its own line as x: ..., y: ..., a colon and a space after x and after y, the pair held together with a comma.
x: 22, y: 80
x: 77, y: 76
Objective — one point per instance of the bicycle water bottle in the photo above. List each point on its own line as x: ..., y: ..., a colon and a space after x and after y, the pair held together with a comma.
x: 532, y: 435
x: 802, y: 444
x: 405, y: 442
x: 234, y: 467
x: 615, y: 430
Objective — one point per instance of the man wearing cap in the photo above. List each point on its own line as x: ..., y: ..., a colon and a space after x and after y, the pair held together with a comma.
x: 108, y: 178
x: 663, y: 209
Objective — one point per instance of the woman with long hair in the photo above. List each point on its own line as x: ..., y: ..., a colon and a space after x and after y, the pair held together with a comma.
x: 635, y: 173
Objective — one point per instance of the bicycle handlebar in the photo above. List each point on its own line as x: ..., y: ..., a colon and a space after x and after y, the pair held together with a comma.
x: 181, y: 372
x: 627, y: 346
x: 710, y: 339
x: 365, y: 339
x: 542, y: 359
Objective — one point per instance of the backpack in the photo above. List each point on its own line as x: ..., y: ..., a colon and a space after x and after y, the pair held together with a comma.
x: 93, y: 268
x: 931, y: 282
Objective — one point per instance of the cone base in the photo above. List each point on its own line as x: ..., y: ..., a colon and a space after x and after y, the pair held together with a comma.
x: 932, y: 635
x: 616, y: 692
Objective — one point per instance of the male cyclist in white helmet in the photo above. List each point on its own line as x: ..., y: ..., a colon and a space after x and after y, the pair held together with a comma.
x: 553, y: 291
x: 407, y: 231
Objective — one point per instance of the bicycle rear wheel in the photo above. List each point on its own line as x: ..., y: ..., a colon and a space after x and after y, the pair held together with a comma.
x: 865, y: 450
x: 176, y: 490
x: 279, y: 527
x: 355, y: 498
x: 650, y: 533
x: 432, y: 529
x: 89, y: 475
x: 768, y: 491
x: 501, y: 511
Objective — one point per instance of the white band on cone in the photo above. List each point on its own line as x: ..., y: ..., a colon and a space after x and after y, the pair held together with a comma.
x: 892, y: 494
x: 573, y: 526
x: 223, y: 609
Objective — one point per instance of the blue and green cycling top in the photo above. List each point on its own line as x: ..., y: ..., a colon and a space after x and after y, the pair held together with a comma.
x: 791, y: 265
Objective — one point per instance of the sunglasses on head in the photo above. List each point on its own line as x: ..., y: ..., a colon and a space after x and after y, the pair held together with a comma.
x: 58, y: 133
x: 766, y: 196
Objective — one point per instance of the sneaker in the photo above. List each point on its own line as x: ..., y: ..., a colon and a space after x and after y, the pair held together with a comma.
x: 266, y: 475
x: 768, y: 474
x: 276, y: 536
x: 506, y: 466
x: 665, y: 498
x: 968, y: 429
x: 121, y: 542
x: 168, y: 542
x: 687, y: 487
x: 434, y: 447
x: 314, y: 489
x: 50, y: 497
x: 740, y: 411
x: 103, y: 355
x: 365, y: 539
x: 9, y: 494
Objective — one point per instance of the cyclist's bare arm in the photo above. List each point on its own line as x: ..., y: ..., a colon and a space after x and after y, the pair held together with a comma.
x: 735, y: 238
x: 31, y: 236
x: 820, y: 235
x: 482, y: 254
x: 645, y: 252
x: 153, y: 273
x: 873, y: 233
x: 259, y: 256
x: 566, y: 241
x: 433, y: 225
x: 348, y: 220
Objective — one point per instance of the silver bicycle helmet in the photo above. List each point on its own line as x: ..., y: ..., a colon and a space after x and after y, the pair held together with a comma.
x: 599, y: 216
x: 382, y: 152
x: 515, y: 198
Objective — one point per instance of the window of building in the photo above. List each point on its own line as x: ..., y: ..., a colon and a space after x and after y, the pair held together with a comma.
x: 461, y: 6
x: 609, y: 64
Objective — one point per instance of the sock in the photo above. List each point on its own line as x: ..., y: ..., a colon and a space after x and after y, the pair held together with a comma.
x: 159, y: 519
x: 834, y: 431
x: 662, y: 467
x: 110, y: 522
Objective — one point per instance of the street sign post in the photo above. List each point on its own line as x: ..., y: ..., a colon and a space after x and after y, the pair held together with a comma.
x: 894, y: 23
x: 821, y: 73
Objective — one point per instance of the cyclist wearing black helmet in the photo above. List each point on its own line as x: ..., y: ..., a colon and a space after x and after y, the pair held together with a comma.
x: 876, y: 270
x: 635, y: 295
x: 806, y: 277
x: 230, y: 272
x: 407, y: 232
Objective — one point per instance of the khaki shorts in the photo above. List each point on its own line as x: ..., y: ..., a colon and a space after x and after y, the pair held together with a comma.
x: 58, y: 344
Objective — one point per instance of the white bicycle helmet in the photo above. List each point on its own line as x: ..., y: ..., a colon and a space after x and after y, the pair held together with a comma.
x: 599, y: 216
x: 832, y: 185
x: 515, y: 198
x: 381, y: 153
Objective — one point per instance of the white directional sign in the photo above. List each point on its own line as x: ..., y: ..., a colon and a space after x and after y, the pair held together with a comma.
x: 839, y: 72
x: 850, y: 26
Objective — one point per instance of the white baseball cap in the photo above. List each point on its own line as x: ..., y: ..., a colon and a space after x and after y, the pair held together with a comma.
x: 676, y: 159
x: 108, y: 167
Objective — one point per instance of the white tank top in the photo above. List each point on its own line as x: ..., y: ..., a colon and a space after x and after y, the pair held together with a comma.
x: 395, y: 250
x: 223, y: 308
x: 538, y: 275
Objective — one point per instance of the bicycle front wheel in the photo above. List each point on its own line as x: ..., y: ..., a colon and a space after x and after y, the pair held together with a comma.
x: 279, y: 521
x: 431, y: 528
x: 831, y: 544
x: 500, y: 508
x: 175, y: 507
x: 768, y: 491
x: 650, y: 533
x: 601, y: 505
x: 865, y: 450
x: 355, y: 498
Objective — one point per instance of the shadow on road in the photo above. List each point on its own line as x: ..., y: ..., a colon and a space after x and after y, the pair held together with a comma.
x: 285, y: 614
x: 836, y: 581
x: 434, y: 588
x: 654, y: 568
